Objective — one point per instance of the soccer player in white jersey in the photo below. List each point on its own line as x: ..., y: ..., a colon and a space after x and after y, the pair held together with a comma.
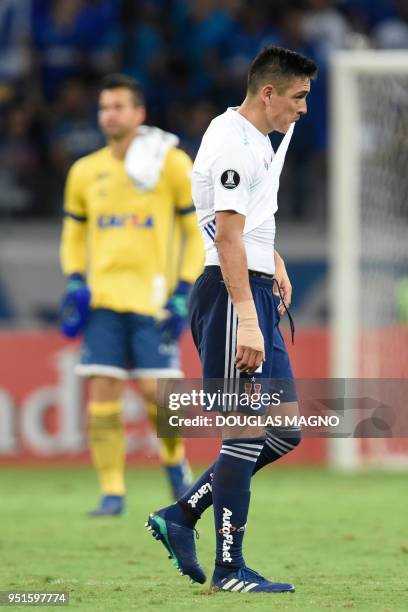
x: 235, y: 312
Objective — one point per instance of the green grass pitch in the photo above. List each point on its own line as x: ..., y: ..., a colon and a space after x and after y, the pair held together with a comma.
x: 341, y: 539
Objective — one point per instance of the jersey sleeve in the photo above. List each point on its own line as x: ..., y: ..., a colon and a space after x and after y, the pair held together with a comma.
x: 231, y: 177
x: 73, y: 239
x: 74, y: 197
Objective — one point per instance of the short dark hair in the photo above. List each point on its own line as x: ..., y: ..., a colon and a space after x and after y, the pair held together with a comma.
x: 278, y: 66
x: 114, y: 81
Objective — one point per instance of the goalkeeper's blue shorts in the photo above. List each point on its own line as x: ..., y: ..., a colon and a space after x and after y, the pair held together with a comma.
x: 214, y: 329
x: 123, y: 345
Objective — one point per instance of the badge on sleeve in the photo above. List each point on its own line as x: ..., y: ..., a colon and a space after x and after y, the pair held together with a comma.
x: 230, y: 179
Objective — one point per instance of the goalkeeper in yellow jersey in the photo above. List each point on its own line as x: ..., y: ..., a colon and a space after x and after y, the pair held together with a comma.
x: 130, y: 250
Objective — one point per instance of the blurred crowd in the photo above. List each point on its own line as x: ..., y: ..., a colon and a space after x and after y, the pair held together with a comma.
x: 191, y: 57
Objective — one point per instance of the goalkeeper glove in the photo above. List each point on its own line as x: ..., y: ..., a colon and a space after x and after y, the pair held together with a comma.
x: 176, y: 310
x: 75, y: 306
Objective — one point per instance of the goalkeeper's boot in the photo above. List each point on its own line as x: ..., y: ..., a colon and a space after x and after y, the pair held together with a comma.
x: 180, y: 477
x: 109, y: 505
x: 179, y: 543
x: 245, y: 580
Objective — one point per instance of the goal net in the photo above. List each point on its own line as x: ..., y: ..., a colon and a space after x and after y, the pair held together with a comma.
x: 369, y: 235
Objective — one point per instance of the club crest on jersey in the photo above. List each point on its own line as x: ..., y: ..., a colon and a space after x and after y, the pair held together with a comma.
x: 230, y: 179
x: 253, y: 396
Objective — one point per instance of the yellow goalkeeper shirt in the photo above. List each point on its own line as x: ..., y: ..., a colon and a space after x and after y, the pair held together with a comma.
x: 133, y: 246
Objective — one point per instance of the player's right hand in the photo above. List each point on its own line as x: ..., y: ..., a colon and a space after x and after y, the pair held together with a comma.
x: 74, y: 306
x: 250, y: 346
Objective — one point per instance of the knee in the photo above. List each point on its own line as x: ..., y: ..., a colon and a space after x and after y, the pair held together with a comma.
x: 285, y: 439
x: 295, y: 438
x: 148, y: 387
x: 105, y: 389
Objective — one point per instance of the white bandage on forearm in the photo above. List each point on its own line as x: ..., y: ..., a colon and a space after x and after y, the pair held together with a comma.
x: 249, y: 333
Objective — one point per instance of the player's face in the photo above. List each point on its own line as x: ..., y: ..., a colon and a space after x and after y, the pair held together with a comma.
x: 118, y: 116
x: 283, y: 109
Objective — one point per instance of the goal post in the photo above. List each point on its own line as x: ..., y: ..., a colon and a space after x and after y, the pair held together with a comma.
x: 368, y: 223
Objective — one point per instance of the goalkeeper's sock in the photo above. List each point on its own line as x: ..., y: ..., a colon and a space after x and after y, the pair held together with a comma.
x: 172, y: 456
x: 231, y: 495
x: 171, y: 450
x: 107, y: 442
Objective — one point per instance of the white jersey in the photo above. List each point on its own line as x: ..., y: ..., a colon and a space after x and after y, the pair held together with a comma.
x: 236, y: 169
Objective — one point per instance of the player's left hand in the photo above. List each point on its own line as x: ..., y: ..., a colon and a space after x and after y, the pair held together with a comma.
x: 285, y: 285
x: 176, y: 312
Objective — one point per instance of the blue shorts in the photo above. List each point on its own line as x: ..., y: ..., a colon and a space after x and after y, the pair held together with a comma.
x: 214, y: 326
x: 122, y: 345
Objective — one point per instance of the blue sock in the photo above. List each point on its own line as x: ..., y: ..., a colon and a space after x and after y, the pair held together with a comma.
x: 278, y: 442
x: 198, y: 498
x: 189, y: 508
x: 231, y: 495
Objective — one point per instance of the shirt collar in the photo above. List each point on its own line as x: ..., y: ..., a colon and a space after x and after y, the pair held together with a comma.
x: 246, y: 125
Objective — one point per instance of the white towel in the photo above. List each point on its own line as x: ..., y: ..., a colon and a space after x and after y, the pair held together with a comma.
x: 146, y: 154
